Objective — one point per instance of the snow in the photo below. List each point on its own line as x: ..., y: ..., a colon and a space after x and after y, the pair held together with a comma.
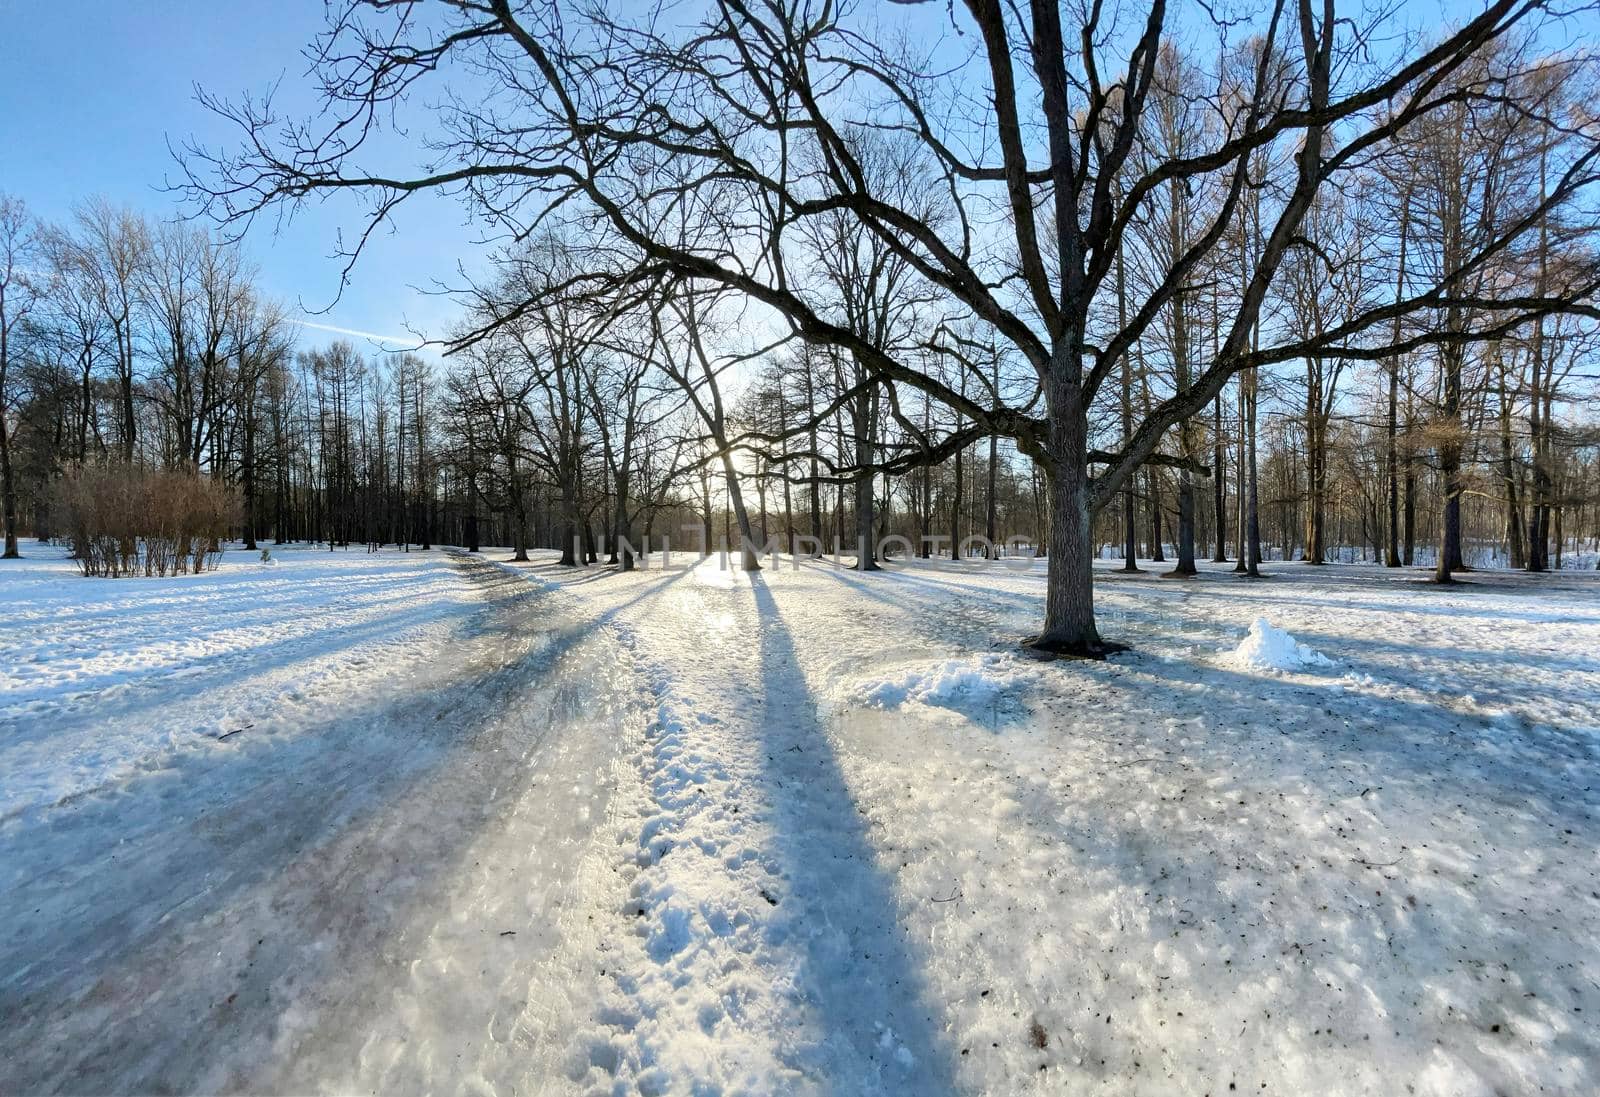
x: 808, y: 831
x: 950, y: 683
x: 358, y: 889
x: 107, y: 676
x: 1268, y: 648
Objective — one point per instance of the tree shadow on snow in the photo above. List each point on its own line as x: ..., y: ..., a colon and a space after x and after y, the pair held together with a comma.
x: 194, y: 925
x: 1271, y: 832
x: 860, y: 966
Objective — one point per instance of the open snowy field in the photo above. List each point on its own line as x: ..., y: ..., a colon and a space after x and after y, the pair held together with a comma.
x: 520, y: 829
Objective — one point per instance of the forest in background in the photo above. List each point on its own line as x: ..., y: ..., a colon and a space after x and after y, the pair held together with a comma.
x: 1421, y: 352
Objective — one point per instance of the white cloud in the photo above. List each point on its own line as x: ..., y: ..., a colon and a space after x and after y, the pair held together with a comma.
x: 405, y: 340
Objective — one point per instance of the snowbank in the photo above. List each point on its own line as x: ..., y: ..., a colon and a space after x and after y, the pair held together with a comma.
x: 1269, y: 648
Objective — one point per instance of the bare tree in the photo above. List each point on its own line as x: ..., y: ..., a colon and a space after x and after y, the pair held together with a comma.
x: 704, y: 143
x: 20, y: 261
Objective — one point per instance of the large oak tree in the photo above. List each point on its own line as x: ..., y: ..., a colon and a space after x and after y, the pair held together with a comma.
x: 703, y: 142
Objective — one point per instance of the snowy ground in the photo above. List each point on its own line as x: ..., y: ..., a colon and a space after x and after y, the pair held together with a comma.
x: 808, y: 831
x: 366, y: 888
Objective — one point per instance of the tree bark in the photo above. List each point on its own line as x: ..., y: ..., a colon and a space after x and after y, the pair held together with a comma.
x: 747, y: 554
x: 1069, y: 625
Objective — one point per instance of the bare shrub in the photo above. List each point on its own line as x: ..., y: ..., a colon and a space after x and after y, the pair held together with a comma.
x: 124, y: 520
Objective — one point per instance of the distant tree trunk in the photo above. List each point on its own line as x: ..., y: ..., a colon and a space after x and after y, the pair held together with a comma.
x: 248, y: 475
x: 8, y: 483
x: 816, y: 476
x: 1158, y: 552
x: 705, y: 507
x: 8, y: 492
x: 1218, y: 483
x: 424, y: 487
x: 1241, y: 563
x: 571, y: 552
x: 994, y: 463
x: 1508, y: 473
x: 1130, y: 533
x: 867, y: 558
x: 1151, y: 478
x: 926, y: 547
x: 1391, y: 557
x: 1539, y: 411
x: 1391, y: 449
x: 1450, y: 465
x: 1316, y: 464
x: 1218, y: 444
x: 519, y: 511
x: 1253, y: 503
x: 1249, y: 382
x: 788, y: 494
x: 471, y: 531
x: 747, y: 555
x: 1409, y: 514
x: 955, y: 499
x: 620, y: 525
x: 1180, y: 353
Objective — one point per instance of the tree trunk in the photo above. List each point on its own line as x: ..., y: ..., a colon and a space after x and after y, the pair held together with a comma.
x: 1391, y: 554
x: 620, y: 527
x: 925, y: 547
x: 1391, y: 452
x: 1130, y: 533
x: 867, y: 558
x: 1069, y: 627
x: 1508, y: 475
x: 1316, y: 459
x: 955, y: 506
x: 519, y: 503
x: 989, y: 534
x: 1450, y: 467
x: 1241, y: 564
x: 1253, y: 500
x: 8, y: 493
x: 1219, y: 489
x: 747, y: 554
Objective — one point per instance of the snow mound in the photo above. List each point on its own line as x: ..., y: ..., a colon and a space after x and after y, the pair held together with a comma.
x: 1269, y: 648
x: 953, y: 683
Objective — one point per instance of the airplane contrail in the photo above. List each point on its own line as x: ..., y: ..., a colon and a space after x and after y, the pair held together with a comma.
x: 413, y: 339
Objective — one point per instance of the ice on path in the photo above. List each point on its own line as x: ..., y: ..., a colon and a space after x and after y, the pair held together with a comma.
x: 1269, y: 648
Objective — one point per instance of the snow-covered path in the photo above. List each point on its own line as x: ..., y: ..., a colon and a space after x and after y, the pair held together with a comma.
x: 879, y: 852
x: 367, y: 899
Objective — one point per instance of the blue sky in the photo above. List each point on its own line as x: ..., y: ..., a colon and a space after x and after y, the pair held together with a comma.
x: 90, y: 92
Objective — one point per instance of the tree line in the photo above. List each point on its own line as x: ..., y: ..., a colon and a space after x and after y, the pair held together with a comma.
x: 150, y: 346
x: 1072, y: 228
x: 1303, y: 285
x: 576, y: 427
